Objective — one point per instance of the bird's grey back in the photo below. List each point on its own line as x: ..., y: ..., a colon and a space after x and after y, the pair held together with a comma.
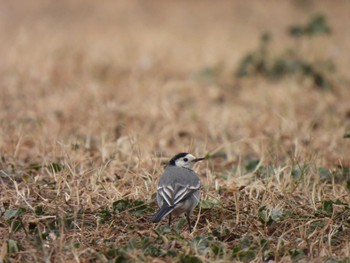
x: 184, y: 176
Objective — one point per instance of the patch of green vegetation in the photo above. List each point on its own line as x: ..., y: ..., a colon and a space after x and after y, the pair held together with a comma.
x: 224, y: 233
x: 269, y: 215
x: 245, y: 250
x: 251, y: 165
x: 189, y: 259
x: 339, y: 175
x: 327, y: 206
x: 135, y: 207
x: 336, y: 260
x: 55, y: 167
x: 299, y: 171
x: 324, y: 174
x: 210, y: 203
x: 209, y: 74
x: 291, y: 62
x: 296, y: 254
x: 148, y: 247
x: 208, y: 246
x: 39, y: 210
x: 265, y: 171
x: 12, y: 246
x: 14, y: 218
x: 317, y: 25
x: 342, y: 174
x: 52, y: 167
x: 143, y: 246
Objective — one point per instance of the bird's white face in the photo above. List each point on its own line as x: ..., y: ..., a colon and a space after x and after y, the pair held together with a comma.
x: 187, y: 161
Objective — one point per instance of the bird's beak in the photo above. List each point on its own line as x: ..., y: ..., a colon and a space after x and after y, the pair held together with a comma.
x: 198, y: 159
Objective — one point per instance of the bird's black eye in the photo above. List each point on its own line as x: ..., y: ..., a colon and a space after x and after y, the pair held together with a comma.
x: 185, y: 159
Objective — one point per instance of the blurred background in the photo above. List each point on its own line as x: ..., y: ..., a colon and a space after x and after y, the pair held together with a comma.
x: 176, y: 76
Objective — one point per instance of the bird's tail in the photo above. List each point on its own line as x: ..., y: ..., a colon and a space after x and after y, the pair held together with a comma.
x: 162, y: 212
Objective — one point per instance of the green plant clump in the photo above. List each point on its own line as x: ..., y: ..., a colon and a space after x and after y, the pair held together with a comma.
x: 292, y: 61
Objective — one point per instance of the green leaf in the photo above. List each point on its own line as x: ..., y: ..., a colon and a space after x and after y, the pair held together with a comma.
x: 222, y: 232
x: 149, y: 248
x: 12, y: 246
x: 327, y: 206
x: 189, y: 259
x: 121, y: 205
x: 172, y: 253
x: 251, y: 165
x: 13, y: 213
x: 39, y: 210
x: 267, y: 215
x: 244, y: 65
x: 336, y: 260
x: 117, y: 253
x: 209, y: 74
x: 296, y: 31
x: 324, y: 173
x: 266, y: 171
x: 165, y: 229
x: 210, y: 203
x: 132, y: 243
x: 245, y: 250
x: 321, y: 81
x: 244, y: 255
x: 264, y: 243
x: 296, y: 254
x: 34, y: 166
x: 201, y: 244
x: 122, y: 259
x: 179, y: 226
x: 55, y: 167
x: 16, y: 226
x: 317, y: 25
x: 299, y: 171
x: 77, y: 245
x: 276, y: 214
x: 263, y: 215
x: 269, y: 256
x: 279, y: 68
x: 105, y: 215
x: 318, y: 224
x: 111, y: 253
x: 218, y: 249
x: 265, y: 38
x: 134, y: 206
x: 139, y: 207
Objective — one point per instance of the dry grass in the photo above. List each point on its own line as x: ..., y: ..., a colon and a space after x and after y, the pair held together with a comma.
x: 95, y: 97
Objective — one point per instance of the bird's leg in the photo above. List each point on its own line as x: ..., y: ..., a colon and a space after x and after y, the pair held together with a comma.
x: 169, y: 219
x: 189, y: 223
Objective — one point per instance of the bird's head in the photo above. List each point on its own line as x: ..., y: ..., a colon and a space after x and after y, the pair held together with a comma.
x: 185, y: 160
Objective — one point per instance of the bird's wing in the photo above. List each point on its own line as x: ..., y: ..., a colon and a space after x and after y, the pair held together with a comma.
x: 177, y: 184
x: 174, y: 195
x: 166, y: 192
x: 184, y: 191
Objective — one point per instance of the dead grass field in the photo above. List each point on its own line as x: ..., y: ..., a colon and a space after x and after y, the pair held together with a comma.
x: 96, y: 96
